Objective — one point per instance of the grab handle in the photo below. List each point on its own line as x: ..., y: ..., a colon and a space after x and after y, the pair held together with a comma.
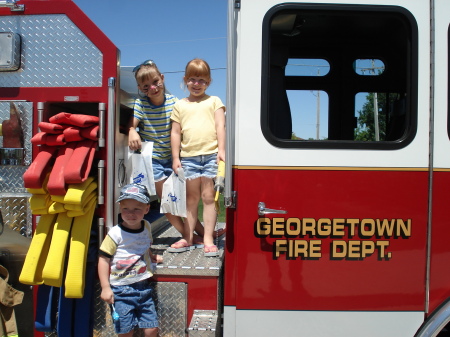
x: 262, y: 210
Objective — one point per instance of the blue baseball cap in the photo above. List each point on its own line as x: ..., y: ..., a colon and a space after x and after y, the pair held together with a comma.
x: 134, y: 191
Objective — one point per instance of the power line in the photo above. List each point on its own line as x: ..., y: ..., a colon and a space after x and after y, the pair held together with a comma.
x: 165, y: 42
x: 182, y: 71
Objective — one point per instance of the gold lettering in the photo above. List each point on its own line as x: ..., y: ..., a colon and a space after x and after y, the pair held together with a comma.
x: 324, y: 227
x: 278, y: 226
x: 368, y: 248
x: 370, y: 230
x: 352, y: 225
x: 354, y: 249
x: 309, y: 225
x: 280, y: 247
x: 263, y: 226
x: 381, y: 245
x: 338, y: 249
x: 300, y: 248
x: 293, y: 226
x: 402, y: 229
x: 315, y: 248
x: 338, y: 227
x: 385, y: 227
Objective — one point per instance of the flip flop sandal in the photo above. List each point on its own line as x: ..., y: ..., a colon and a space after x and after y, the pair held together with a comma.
x: 180, y: 250
x: 208, y: 253
x: 185, y: 247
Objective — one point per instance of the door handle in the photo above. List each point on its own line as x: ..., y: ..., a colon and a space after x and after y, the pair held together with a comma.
x: 262, y: 210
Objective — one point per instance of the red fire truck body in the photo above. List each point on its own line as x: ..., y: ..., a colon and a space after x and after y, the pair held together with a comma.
x: 344, y: 233
x: 359, y: 248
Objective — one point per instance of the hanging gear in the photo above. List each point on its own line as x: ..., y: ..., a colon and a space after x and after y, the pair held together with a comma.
x: 9, y: 297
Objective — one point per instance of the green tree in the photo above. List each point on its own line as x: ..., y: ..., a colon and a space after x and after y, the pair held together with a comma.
x: 365, y: 130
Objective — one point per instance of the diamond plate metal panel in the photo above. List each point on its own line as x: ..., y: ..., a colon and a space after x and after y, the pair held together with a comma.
x: 11, y: 180
x: 25, y: 110
x: 171, y: 305
x: 190, y: 263
x: 16, y: 213
x: 103, y: 324
x: 55, y: 53
x: 14, y: 204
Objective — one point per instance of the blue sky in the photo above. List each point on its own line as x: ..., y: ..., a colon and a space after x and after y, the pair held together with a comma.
x: 170, y: 32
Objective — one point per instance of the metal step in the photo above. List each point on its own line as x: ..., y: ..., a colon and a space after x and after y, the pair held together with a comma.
x: 204, y: 323
x: 189, y: 263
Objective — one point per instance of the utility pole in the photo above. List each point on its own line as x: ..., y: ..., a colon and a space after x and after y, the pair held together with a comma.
x: 318, y: 111
x: 375, y: 108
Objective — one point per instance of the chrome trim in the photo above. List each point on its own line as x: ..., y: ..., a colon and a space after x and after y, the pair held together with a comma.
x: 433, y: 326
x: 110, y: 153
x: 431, y: 156
x: 101, y: 129
x: 13, y: 6
x: 262, y: 210
x: 101, y: 182
x: 40, y: 110
x: 231, y: 101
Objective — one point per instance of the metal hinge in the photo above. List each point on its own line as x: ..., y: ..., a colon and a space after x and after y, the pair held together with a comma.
x: 237, y: 4
x: 12, y: 5
x: 230, y: 202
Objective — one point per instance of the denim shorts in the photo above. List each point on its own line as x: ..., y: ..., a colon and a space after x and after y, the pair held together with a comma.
x: 200, y: 166
x: 135, y: 306
x: 162, y: 168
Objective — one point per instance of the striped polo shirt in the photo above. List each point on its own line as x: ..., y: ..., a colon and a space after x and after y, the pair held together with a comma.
x: 154, y: 125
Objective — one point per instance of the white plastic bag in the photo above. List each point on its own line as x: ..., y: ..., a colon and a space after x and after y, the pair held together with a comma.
x: 141, y: 170
x: 173, y: 198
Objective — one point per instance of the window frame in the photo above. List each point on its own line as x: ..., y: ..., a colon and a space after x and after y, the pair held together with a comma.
x: 411, y: 81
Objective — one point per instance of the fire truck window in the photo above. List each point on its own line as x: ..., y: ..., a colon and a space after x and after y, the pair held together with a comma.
x: 369, y: 67
x: 307, y: 121
x: 380, y: 116
x: 307, y: 67
x: 336, y: 77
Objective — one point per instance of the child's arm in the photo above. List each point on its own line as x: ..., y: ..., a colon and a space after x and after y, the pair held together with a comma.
x: 175, y: 143
x: 219, y: 119
x: 107, y: 294
x: 134, y: 140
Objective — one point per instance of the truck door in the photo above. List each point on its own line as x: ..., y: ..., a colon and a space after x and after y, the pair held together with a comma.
x: 439, y: 276
x: 330, y: 169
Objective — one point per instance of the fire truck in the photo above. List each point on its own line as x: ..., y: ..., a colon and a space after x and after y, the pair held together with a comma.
x: 344, y: 233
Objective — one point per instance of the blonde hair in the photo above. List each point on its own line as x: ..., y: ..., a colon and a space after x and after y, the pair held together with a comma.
x: 197, y: 68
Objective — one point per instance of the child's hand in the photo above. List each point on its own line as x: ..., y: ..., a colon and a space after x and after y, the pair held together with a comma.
x: 107, y: 295
x: 220, y: 156
x: 176, y: 163
x: 134, y: 140
x: 157, y: 258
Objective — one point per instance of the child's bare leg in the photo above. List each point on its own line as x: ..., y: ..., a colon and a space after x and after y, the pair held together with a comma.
x: 209, y: 211
x: 174, y: 220
x: 151, y: 332
x: 199, y: 227
x: 192, y: 199
x: 129, y: 334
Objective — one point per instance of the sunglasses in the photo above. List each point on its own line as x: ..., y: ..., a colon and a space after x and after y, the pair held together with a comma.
x: 147, y: 62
